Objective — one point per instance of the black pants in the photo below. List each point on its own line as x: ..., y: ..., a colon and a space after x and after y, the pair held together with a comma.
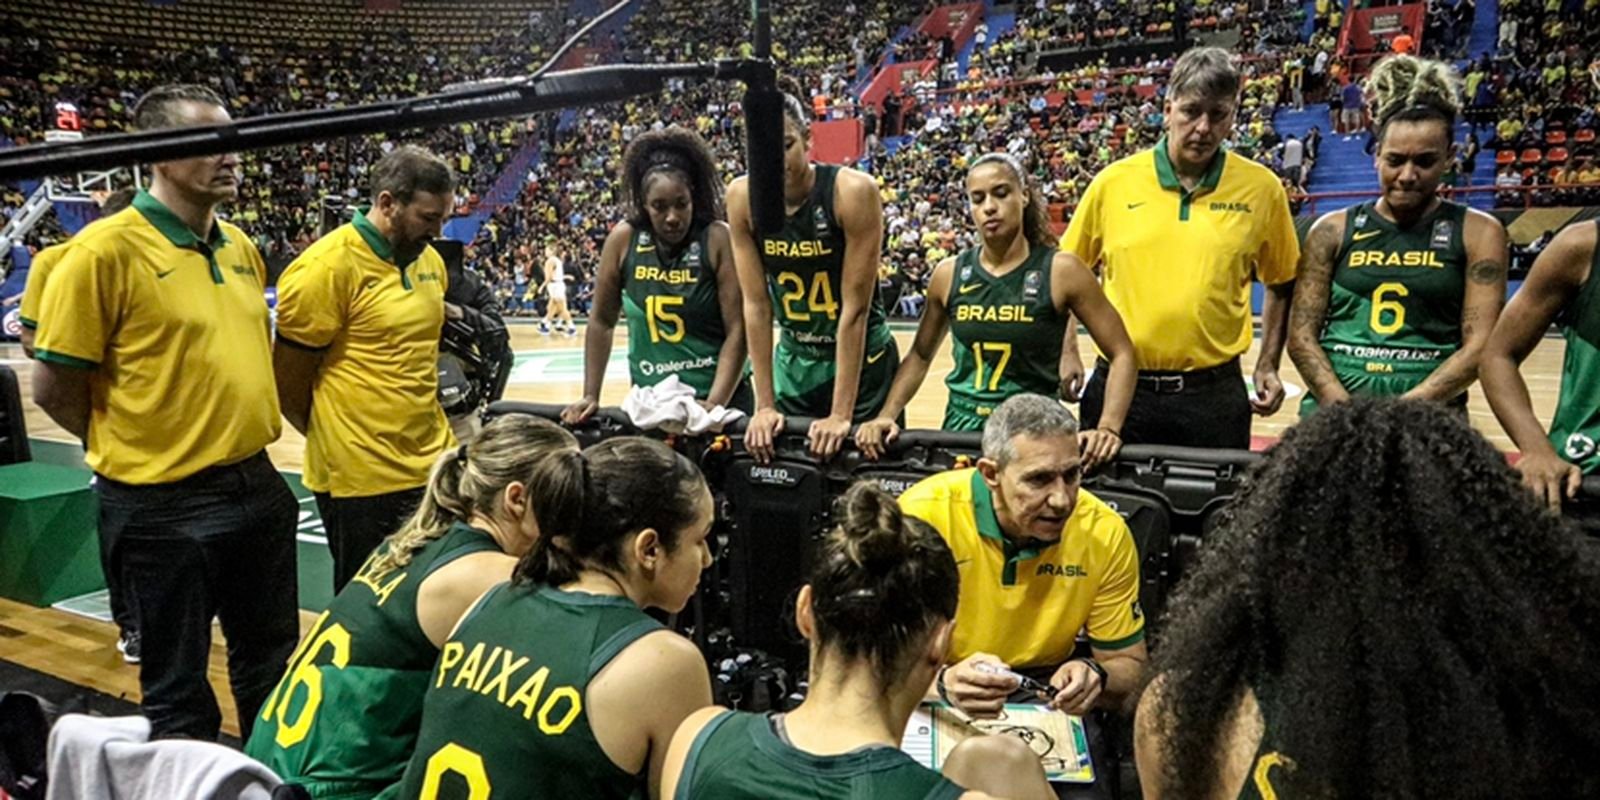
x: 356, y: 525
x: 1205, y: 408
x: 219, y: 544
x: 121, y: 609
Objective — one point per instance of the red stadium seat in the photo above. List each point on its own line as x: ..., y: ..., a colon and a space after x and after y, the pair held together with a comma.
x: 1557, y: 155
x: 1505, y: 157
x: 1555, y: 137
x: 1532, y: 155
x: 1584, y: 136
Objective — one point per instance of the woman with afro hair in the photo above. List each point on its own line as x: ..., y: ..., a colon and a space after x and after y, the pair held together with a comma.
x: 1384, y: 612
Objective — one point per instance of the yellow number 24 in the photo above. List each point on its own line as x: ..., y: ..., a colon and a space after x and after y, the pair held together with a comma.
x: 820, y: 301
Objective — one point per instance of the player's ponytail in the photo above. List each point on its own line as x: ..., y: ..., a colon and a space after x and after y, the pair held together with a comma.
x: 590, y: 505
x: 1036, y: 214
x: 1410, y: 89
x: 793, y: 107
x: 880, y: 584
x: 471, y: 479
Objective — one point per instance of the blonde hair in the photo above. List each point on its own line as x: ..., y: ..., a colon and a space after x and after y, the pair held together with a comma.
x: 471, y: 478
x: 1410, y: 89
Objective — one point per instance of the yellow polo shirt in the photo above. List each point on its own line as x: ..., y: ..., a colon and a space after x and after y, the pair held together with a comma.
x: 176, y: 333
x: 376, y: 424
x: 1177, y: 265
x: 39, y: 271
x: 1026, y: 605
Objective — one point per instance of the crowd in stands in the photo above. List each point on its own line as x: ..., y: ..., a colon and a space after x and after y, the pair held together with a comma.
x: 1540, y: 93
x: 285, y: 190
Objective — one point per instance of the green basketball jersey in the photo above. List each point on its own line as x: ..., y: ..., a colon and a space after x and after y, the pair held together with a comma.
x: 1006, y: 335
x: 1575, y: 429
x: 674, y: 320
x: 344, y: 719
x: 739, y: 756
x: 805, y: 273
x: 504, y: 714
x: 1265, y: 780
x: 1394, y: 306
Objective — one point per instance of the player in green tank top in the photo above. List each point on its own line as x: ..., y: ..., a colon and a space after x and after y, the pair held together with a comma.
x: 1563, y: 287
x: 1398, y: 297
x: 344, y: 719
x: 818, y: 277
x: 557, y: 684
x: 1006, y: 304
x: 1384, y: 612
x: 877, y: 609
x: 669, y: 266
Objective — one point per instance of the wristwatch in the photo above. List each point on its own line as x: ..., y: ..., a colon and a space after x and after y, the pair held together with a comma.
x: 938, y: 683
x: 1098, y: 670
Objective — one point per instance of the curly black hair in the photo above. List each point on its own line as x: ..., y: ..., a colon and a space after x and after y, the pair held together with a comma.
x: 1412, y: 621
x: 676, y: 150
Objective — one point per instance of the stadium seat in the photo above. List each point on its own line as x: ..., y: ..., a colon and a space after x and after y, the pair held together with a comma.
x: 1584, y: 136
x: 1556, y: 155
x: 1532, y: 155
x: 1555, y: 137
x: 1503, y: 157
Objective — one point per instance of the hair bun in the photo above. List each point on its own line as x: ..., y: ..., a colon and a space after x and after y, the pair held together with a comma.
x: 875, y: 531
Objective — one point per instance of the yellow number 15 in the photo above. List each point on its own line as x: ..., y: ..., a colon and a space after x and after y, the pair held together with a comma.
x: 658, y: 317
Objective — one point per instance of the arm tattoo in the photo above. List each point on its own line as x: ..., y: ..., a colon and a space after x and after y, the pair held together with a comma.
x: 1310, y: 309
x: 1487, y: 271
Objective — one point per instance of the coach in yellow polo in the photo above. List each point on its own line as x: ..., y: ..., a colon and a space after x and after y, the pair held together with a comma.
x: 1040, y: 559
x: 1178, y: 234
x: 153, y: 345
x: 357, y: 356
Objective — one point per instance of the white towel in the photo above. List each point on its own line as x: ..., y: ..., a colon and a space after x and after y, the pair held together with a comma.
x: 110, y: 758
x: 670, y: 406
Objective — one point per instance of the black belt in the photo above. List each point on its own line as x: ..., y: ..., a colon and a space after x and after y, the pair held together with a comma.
x: 200, y: 478
x: 1175, y: 381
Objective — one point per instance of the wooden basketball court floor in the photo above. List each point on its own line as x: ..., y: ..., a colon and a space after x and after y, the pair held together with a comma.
x: 549, y: 369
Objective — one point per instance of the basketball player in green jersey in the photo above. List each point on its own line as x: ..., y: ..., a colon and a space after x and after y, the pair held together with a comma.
x: 1563, y: 287
x: 1398, y: 297
x: 670, y: 266
x: 344, y: 719
x: 835, y: 356
x: 878, y: 610
x: 1006, y: 304
x: 558, y: 684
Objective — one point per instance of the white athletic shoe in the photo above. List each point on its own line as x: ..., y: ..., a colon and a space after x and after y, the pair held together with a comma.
x: 128, y: 646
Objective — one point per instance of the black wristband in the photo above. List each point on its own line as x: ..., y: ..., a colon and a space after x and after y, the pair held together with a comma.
x: 938, y: 683
x: 1098, y: 670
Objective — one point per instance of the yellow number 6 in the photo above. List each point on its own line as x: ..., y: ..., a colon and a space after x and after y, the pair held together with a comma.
x: 1380, y: 306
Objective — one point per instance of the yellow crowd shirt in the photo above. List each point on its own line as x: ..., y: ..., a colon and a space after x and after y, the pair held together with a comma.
x: 175, y: 332
x: 1026, y: 605
x: 1178, y: 264
x: 376, y: 424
